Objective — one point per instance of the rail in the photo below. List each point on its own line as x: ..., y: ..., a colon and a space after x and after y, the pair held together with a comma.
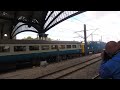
x: 64, y: 72
x: 96, y: 76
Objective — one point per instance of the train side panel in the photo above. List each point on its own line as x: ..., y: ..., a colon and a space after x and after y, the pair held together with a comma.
x: 33, y: 58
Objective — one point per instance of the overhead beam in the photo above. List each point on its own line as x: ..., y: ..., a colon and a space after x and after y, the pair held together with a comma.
x: 12, y: 19
x: 49, y: 16
x: 54, y: 19
x: 17, y: 28
x: 46, y: 29
x: 24, y: 31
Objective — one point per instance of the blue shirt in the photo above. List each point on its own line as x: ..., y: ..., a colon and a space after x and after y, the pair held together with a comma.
x: 110, y: 68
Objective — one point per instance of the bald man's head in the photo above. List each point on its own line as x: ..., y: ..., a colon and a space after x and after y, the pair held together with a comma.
x: 119, y: 42
x: 111, y: 47
x: 119, y: 45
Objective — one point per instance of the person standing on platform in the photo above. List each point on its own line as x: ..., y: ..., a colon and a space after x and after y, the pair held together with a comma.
x: 110, y: 66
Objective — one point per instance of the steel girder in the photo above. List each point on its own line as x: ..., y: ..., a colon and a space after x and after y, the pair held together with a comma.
x: 58, y: 17
x: 42, y: 21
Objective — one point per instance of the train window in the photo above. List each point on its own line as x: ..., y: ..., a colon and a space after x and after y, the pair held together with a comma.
x: 4, y: 48
x: 68, y: 46
x: 35, y: 47
x: 53, y: 46
x: 98, y: 42
x: 45, y: 47
x: 62, y: 46
x: 73, y: 46
x: 19, y: 48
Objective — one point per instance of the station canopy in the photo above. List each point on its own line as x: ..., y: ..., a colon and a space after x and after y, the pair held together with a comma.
x: 35, y: 21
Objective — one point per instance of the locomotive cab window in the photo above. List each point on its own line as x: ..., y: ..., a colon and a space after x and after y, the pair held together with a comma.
x: 68, y: 46
x: 19, y: 48
x: 45, y: 47
x: 73, y: 46
x: 4, y: 48
x: 35, y: 47
x: 54, y: 46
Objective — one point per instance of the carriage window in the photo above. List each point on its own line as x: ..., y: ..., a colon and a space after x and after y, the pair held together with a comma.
x: 62, y: 46
x: 19, y: 48
x: 53, y: 46
x: 68, y: 46
x: 45, y: 47
x: 35, y: 47
x: 4, y: 48
x: 73, y: 46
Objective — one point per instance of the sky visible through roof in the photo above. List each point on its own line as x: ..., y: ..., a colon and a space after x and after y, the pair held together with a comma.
x: 105, y: 26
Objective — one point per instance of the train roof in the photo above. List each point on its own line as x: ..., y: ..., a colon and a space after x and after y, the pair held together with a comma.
x: 36, y: 42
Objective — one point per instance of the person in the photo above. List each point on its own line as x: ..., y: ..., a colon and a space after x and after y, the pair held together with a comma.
x: 119, y: 44
x: 110, y: 66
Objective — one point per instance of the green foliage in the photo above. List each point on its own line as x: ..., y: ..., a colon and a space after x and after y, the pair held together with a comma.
x: 28, y: 38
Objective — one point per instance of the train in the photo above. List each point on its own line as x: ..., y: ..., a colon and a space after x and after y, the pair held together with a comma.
x: 19, y: 53
x: 95, y: 46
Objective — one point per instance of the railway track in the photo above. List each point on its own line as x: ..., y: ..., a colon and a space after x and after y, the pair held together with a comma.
x: 26, y: 67
x: 96, y: 76
x: 59, y: 74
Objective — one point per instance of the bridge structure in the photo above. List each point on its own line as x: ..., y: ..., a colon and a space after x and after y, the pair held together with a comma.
x: 41, y: 21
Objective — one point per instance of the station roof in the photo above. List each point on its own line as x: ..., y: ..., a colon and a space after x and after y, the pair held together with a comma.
x: 42, y: 21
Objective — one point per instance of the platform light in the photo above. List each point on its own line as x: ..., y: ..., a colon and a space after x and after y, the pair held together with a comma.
x: 5, y: 35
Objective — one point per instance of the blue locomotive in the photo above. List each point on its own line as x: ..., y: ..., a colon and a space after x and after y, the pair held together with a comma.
x: 96, y: 46
x: 93, y: 47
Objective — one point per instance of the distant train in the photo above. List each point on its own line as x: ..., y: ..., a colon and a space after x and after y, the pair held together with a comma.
x: 95, y: 46
x: 18, y: 53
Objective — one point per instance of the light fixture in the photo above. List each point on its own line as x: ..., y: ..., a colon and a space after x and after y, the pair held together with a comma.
x: 5, y: 35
